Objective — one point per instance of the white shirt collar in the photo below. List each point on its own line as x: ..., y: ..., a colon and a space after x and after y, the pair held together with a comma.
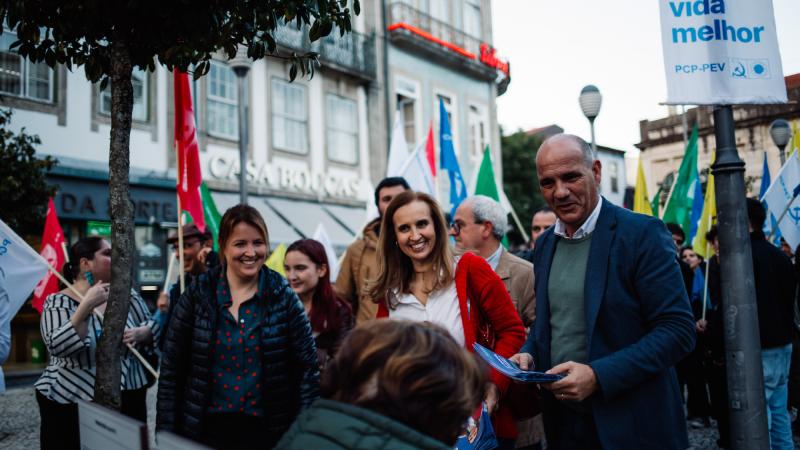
x: 586, y: 229
x: 494, y: 259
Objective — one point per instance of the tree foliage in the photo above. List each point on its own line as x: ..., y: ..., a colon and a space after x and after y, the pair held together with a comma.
x: 108, y: 39
x: 23, y: 187
x: 178, y: 33
x: 519, y: 177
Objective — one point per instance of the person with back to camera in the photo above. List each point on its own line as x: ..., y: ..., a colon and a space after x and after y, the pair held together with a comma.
x: 420, y: 279
x: 239, y: 359
x: 394, y: 384
x: 306, y: 267
x: 70, y: 330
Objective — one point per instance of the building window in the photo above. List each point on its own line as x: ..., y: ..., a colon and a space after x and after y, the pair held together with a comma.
x: 406, y: 107
x: 613, y: 169
x: 477, y: 131
x: 342, y: 130
x: 407, y: 94
x: 289, y: 117
x: 140, y: 97
x: 222, y: 102
x: 472, y: 18
x: 20, y: 77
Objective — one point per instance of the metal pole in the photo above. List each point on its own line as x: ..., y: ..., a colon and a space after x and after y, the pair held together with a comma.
x: 740, y: 316
x: 594, y: 145
x: 684, y: 126
x: 782, y: 153
x: 242, y: 141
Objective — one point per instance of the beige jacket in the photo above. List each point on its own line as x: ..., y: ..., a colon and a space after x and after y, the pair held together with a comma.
x: 360, y: 264
x: 517, y: 275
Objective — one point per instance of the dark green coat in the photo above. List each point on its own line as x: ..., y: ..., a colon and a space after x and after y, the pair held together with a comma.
x: 333, y: 425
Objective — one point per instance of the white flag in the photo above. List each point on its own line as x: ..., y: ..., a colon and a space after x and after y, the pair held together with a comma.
x: 398, y: 149
x: 321, y: 236
x: 21, y: 268
x: 721, y: 52
x: 417, y: 172
x: 782, y: 193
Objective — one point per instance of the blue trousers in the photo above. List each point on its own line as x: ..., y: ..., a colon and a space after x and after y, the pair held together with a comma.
x: 776, y: 389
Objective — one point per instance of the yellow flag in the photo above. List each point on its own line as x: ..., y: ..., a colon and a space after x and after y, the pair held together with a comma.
x: 795, y: 136
x: 707, y: 219
x: 275, y: 260
x: 641, y: 201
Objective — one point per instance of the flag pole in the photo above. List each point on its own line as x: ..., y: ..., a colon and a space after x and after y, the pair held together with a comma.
x: 66, y: 252
x: 100, y: 316
x: 169, y: 272
x: 705, y: 281
x: 519, y: 225
x: 180, y: 245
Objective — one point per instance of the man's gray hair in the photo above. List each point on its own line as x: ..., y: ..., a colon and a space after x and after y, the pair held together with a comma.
x: 588, y: 154
x: 485, y: 209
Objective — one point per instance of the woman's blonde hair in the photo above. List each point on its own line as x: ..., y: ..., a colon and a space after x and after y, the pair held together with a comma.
x: 412, y: 372
x: 395, y: 269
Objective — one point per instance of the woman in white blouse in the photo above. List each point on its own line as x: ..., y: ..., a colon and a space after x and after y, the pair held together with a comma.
x: 419, y: 279
x: 70, y: 329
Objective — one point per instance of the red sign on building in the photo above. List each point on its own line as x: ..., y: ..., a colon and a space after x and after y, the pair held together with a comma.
x: 489, y: 57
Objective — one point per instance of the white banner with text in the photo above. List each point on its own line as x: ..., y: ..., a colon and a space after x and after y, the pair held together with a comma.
x: 721, y: 52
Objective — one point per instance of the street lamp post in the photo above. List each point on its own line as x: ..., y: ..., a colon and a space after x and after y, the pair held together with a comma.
x: 590, y: 100
x: 740, y: 315
x: 780, y: 132
x: 241, y: 66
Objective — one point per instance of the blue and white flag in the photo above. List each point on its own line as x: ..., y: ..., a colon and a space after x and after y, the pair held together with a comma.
x: 449, y: 161
x: 21, y: 268
x: 771, y: 223
x: 781, y: 197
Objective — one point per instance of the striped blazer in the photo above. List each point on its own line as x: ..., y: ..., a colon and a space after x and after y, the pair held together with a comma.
x: 70, y: 372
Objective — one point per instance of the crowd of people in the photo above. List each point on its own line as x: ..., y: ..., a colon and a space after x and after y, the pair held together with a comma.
x: 382, y: 357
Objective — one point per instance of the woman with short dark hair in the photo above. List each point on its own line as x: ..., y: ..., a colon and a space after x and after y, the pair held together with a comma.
x: 308, y: 273
x: 393, y: 384
x: 71, y: 328
x: 239, y: 360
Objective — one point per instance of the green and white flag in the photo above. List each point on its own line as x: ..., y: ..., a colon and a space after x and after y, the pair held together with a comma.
x: 679, y: 203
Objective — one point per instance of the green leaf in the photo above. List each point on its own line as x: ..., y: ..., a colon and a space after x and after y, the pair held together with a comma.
x: 104, y: 83
x: 357, y: 7
x: 293, y: 71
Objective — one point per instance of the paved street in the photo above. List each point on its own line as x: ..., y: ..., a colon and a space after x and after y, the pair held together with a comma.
x: 19, y: 423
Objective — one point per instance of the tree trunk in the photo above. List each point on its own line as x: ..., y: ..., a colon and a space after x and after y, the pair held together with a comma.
x: 109, y: 349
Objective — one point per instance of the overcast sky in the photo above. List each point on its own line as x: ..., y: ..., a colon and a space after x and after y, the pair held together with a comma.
x: 555, y: 48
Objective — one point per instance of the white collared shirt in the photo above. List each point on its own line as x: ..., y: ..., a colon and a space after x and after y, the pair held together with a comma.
x: 442, y: 309
x: 586, y: 229
x: 494, y: 260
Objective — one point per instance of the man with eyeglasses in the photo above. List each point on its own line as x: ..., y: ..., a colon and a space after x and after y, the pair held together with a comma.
x: 479, y: 225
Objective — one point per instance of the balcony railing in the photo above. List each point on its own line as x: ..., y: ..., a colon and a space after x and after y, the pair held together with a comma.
x: 354, y: 52
x: 401, y: 12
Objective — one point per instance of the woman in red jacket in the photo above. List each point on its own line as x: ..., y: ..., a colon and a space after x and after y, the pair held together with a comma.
x: 420, y: 279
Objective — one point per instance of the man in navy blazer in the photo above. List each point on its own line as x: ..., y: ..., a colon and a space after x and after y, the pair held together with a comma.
x: 612, y: 314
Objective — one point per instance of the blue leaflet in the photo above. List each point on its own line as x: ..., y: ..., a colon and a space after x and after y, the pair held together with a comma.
x: 511, y: 370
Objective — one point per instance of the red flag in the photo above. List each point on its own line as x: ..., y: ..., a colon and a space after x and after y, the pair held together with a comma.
x: 53, y: 252
x: 429, y: 150
x: 189, y: 175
